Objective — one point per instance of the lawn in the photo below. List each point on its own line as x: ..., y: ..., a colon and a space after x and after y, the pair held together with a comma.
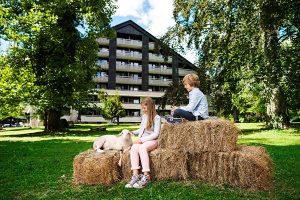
x: 35, y: 165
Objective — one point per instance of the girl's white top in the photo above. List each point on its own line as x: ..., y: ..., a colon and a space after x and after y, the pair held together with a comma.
x: 148, y: 134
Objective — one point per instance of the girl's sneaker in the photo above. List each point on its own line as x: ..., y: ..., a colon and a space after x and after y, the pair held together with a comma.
x: 145, y: 180
x: 134, y: 179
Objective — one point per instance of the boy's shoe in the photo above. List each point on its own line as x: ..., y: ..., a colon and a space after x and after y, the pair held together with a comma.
x: 134, y: 179
x: 145, y: 180
x: 173, y: 120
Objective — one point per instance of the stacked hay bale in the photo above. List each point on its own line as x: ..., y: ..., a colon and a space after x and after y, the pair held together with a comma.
x: 93, y: 168
x: 204, y: 150
x: 207, y: 150
x: 165, y: 164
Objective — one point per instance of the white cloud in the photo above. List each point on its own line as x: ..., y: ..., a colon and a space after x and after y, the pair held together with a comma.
x: 161, y: 16
x: 130, y: 8
x: 155, y: 15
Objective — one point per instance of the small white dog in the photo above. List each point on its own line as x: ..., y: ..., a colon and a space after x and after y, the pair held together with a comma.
x: 113, y: 142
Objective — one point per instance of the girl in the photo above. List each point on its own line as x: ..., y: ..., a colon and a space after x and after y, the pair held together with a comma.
x: 147, y: 141
x: 197, y: 109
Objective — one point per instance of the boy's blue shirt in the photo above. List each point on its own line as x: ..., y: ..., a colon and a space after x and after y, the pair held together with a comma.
x: 197, y: 103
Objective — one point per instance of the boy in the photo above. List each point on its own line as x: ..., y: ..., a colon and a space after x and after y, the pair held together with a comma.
x: 197, y: 109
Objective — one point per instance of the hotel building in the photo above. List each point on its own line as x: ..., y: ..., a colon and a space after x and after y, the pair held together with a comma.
x: 130, y: 67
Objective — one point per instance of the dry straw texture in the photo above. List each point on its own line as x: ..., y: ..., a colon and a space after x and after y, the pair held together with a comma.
x: 165, y: 165
x: 248, y: 167
x: 200, y: 136
x: 93, y: 168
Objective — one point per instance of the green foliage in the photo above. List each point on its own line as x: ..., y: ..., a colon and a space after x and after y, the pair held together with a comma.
x: 56, y: 41
x: 16, y: 86
x: 239, y: 44
x: 174, y: 95
x: 112, y: 106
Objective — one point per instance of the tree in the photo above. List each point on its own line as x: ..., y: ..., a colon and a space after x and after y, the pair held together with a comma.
x: 112, y: 106
x: 175, y: 95
x: 16, y: 86
x: 56, y: 41
x: 241, y: 36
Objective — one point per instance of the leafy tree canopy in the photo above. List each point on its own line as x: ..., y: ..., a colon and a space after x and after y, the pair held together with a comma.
x: 56, y: 41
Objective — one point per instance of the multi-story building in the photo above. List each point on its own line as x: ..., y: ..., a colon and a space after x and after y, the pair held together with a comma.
x: 130, y: 67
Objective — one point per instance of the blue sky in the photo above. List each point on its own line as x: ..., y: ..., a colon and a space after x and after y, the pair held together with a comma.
x: 155, y: 16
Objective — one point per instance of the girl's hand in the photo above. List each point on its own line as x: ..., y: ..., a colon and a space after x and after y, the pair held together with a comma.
x: 138, y: 141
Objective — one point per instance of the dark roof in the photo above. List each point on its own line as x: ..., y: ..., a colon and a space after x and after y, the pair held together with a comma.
x: 144, y: 32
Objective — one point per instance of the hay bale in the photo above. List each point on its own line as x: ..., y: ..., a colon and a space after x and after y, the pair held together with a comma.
x: 92, y: 168
x: 251, y: 149
x: 243, y: 168
x: 199, y: 136
x: 164, y: 165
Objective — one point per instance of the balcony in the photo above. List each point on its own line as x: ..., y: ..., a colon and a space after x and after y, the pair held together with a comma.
x: 103, y: 53
x: 102, y: 65
x: 129, y: 68
x: 121, y: 42
x: 139, y: 93
x: 158, y: 82
x: 101, y: 79
x: 151, y: 45
x: 183, y: 72
x: 158, y: 58
x: 129, y: 55
x: 103, y: 41
x: 128, y: 80
x: 160, y: 70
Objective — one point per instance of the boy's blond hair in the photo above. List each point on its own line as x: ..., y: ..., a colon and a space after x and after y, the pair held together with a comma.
x: 191, y: 79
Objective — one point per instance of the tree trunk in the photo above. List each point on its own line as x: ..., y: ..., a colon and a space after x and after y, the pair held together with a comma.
x: 236, y: 115
x: 118, y: 120
x: 54, y: 120
x: 46, y: 120
x: 10, y: 121
x: 276, y: 104
x: 276, y: 110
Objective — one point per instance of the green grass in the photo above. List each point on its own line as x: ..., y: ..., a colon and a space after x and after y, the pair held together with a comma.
x: 38, y: 165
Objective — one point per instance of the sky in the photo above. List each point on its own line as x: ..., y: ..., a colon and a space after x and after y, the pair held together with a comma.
x: 155, y: 16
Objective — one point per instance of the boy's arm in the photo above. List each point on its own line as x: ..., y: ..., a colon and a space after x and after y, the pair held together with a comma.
x: 193, y: 102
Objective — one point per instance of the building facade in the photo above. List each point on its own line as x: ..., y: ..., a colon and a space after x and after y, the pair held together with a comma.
x: 130, y: 67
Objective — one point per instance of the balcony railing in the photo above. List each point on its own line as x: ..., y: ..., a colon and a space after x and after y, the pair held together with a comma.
x: 131, y: 55
x: 128, y: 80
x: 102, y: 65
x: 103, y: 53
x: 158, y: 58
x: 103, y: 41
x: 183, y: 72
x: 129, y: 43
x: 151, y: 45
x: 129, y: 68
x: 159, y: 82
x: 160, y: 70
x: 101, y: 79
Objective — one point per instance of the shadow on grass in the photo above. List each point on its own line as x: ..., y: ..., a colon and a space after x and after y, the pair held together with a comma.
x: 64, y: 133
x: 253, y: 130
x: 78, y: 130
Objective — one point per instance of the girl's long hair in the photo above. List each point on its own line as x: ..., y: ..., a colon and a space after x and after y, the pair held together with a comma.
x: 151, y: 112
